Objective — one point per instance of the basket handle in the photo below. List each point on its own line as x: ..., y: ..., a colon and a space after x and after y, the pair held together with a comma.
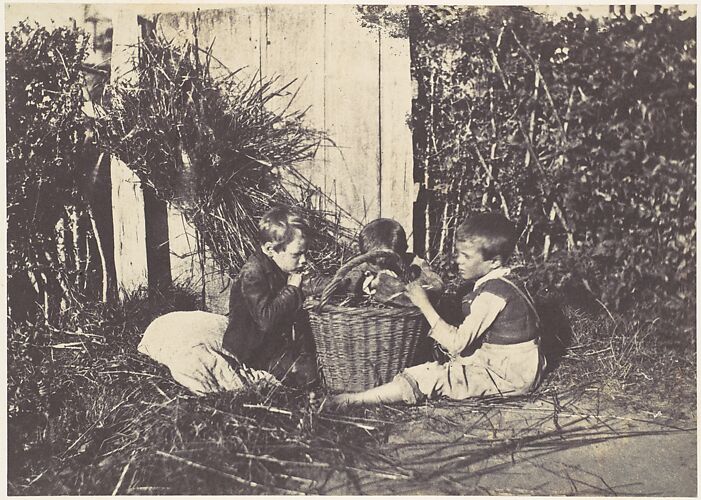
x: 337, y: 279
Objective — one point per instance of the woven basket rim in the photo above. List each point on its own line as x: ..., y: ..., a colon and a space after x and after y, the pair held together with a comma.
x: 362, y: 311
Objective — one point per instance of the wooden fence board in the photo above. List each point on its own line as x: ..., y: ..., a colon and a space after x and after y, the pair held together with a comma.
x: 128, y: 216
x: 351, y: 102
x: 235, y: 33
x: 184, y: 260
x: 291, y: 56
x: 129, y: 228
x: 397, y: 160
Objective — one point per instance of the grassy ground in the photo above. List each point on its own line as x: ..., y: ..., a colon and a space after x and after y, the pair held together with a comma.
x: 89, y: 415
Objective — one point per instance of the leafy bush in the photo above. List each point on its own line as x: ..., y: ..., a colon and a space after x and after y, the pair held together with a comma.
x: 583, y: 131
x: 45, y: 174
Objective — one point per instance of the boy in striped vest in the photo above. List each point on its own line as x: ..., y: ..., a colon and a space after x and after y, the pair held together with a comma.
x: 495, y: 350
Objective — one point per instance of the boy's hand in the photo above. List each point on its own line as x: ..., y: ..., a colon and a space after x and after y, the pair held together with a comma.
x: 417, y: 294
x: 295, y: 279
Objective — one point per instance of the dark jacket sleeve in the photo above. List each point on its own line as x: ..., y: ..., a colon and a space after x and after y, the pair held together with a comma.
x: 270, y: 308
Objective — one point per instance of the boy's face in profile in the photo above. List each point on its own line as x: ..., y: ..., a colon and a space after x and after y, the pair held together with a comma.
x: 292, y: 258
x: 471, y: 263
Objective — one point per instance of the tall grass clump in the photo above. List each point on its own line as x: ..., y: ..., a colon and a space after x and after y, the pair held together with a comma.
x: 220, y: 149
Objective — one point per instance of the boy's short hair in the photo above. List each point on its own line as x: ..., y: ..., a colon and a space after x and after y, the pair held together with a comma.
x: 383, y: 233
x: 279, y: 226
x: 496, y: 234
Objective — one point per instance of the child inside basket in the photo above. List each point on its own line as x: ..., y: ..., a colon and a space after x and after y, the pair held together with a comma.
x: 382, y: 277
x: 495, y: 350
x: 208, y: 353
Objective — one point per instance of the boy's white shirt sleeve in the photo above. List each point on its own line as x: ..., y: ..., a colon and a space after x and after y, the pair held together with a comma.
x: 483, y: 311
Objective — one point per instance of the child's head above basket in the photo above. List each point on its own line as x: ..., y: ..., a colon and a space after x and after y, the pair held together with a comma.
x: 382, y: 234
x: 385, y: 275
x: 385, y: 234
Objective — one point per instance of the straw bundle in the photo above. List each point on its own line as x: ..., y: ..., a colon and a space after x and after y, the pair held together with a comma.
x: 214, y: 148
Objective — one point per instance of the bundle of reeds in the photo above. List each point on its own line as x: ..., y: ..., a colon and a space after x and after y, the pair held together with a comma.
x: 216, y: 147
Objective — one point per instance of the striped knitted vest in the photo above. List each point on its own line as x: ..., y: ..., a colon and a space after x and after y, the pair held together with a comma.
x: 516, y: 323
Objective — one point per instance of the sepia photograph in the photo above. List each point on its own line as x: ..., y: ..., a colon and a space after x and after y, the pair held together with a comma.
x: 350, y: 249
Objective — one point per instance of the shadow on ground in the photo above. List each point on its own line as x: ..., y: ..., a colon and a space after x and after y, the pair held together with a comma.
x: 536, y: 447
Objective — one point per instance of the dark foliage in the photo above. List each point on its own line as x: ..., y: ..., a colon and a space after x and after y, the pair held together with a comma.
x: 583, y: 131
x: 50, y: 238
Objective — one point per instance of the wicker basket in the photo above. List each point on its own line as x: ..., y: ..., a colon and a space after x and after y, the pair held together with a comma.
x: 360, y: 348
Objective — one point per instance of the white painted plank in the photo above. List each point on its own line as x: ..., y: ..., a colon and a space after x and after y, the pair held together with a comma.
x: 184, y: 260
x: 127, y: 197
x: 129, y: 228
x: 396, y: 139
x: 294, y: 50
x: 125, y: 36
x: 237, y: 34
x: 352, y: 112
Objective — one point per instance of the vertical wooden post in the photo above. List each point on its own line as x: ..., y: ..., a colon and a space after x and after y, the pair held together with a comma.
x: 129, y: 229
x: 128, y: 213
x: 155, y: 212
x: 100, y: 214
x: 418, y: 138
x: 157, y: 245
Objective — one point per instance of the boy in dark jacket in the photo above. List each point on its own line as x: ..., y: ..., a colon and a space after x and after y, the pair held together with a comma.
x: 209, y: 352
x: 267, y: 296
